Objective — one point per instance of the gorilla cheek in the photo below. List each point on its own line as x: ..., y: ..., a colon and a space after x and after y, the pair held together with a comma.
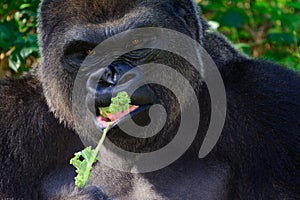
x: 57, y: 87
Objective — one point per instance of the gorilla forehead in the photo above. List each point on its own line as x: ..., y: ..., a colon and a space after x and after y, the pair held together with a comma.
x: 118, y: 15
x: 99, y: 10
x: 86, y: 9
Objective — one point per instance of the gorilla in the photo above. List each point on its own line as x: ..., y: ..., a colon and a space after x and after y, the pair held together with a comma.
x: 256, y: 157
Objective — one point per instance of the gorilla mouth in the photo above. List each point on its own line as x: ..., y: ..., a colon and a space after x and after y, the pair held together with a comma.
x: 111, y: 119
x: 138, y: 113
x: 118, y: 77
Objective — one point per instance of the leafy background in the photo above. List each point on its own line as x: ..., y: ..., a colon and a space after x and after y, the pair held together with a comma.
x: 259, y: 28
x: 18, y: 40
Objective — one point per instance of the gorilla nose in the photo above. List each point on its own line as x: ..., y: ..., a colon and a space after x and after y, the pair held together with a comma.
x: 113, y: 73
x: 117, y: 78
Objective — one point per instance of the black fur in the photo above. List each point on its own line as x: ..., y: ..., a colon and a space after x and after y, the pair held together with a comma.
x: 257, y: 157
x: 32, y: 141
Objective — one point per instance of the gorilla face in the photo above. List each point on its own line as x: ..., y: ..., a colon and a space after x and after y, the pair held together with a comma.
x: 69, y: 34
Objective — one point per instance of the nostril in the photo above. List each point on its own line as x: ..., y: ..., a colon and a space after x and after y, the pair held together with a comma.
x: 108, y: 77
x: 114, y: 74
x: 103, y: 84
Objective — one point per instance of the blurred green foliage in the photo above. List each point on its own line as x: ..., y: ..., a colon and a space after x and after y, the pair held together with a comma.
x: 260, y: 28
x: 18, y: 40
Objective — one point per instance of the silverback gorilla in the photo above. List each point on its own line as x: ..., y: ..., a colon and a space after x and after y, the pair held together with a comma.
x: 257, y: 156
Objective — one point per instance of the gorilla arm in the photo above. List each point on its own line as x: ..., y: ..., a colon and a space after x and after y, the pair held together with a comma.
x: 260, y: 140
x: 31, y: 139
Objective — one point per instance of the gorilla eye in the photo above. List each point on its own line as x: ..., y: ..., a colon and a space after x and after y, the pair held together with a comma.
x: 90, y: 52
x: 75, y: 53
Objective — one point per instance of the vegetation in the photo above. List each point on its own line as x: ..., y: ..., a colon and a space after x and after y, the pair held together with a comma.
x: 260, y: 28
x: 83, y: 161
x: 18, y: 40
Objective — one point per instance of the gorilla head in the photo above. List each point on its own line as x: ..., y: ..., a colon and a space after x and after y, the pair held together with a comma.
x: 68, y: 37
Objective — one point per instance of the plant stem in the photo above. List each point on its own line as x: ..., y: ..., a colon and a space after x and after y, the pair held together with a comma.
x: 101, y: 141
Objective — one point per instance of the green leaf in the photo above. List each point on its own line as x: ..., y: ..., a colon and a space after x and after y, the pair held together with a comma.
x: 83, y: 161
x: 14, y: 62
x: 25, y: 52
x: 294, y: 5
x: 83, y: 167
x: 24, y: 69
x: 25, y: 5
x: 234, y: 18
x: 245, y: 48
x: 32, y: 39
x: 5, y: 32
x: 118, y: 104
x: 286, y: 38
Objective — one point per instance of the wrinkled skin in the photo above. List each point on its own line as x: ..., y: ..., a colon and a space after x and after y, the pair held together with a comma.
x: 257, y: 156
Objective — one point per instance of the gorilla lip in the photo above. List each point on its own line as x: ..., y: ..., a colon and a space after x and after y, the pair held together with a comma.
x: 113, y: 118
